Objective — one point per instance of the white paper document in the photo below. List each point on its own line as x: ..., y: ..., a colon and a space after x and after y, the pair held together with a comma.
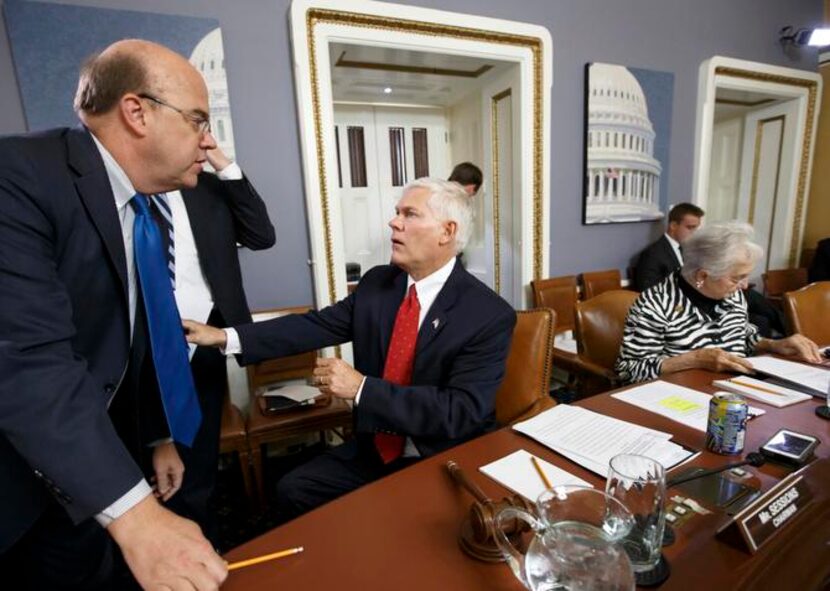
x: 811, y: 379
x: 517, y: 473
x: 591, y: 439
x: 678, y: 403
x: 295, y: 392
x: 766, y: 392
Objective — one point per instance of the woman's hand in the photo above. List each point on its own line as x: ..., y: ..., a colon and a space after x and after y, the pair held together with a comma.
x: 710, y: 358
x: 796, y: 345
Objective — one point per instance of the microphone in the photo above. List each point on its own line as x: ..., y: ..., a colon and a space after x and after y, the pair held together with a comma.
x: 752, y: 459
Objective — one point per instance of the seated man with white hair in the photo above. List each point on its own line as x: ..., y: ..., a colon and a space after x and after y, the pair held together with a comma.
x: 430, y: 343
x: 697, y: 316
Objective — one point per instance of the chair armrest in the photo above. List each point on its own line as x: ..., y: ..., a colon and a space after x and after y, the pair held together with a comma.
x: 586, y: 366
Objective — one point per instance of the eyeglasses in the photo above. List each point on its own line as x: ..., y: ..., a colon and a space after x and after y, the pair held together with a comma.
x: 201, y: 122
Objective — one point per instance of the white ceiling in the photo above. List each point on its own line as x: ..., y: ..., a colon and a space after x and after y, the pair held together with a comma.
x: 362, y: 84
x: 731, y: 103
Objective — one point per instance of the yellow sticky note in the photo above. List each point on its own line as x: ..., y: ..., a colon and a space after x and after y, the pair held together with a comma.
x: 679, y: 404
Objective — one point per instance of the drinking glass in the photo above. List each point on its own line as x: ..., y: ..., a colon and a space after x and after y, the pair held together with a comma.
x: 639, y: 483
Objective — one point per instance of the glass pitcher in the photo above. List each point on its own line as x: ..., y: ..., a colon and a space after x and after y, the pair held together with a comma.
x: 575, y: 542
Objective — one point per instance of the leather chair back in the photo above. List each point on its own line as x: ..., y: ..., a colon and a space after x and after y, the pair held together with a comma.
x: 524, y: 392
x: 597, y: 282
x: 808, y: 312
x: 281, y: 369
x: 599, y: 325
x: 559, y: 294
x: 778, y: 281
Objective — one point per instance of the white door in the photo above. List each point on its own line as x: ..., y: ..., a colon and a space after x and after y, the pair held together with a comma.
x: 503, y: 178
x: 379, y: 149
x: 766, y: 193
x: 360, y: 198
x: 725, y: 170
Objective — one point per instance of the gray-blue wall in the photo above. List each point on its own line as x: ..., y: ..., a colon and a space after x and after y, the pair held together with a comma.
x: 668, y: 35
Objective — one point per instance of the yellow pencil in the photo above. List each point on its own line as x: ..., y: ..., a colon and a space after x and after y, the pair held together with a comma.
x: 264, y: 558
x: 754, y: 387
x: 541, y: 473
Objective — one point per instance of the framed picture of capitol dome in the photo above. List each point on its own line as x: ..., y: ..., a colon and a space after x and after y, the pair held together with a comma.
x: 49, y: 43
x: 627, y: 137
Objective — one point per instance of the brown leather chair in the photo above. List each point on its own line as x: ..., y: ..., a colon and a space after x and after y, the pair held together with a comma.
x: 560, y: 295
x: 233, y: 438
x: 524, y: 392
x: 779, y: 281
x: 597, y: 282
x: 330, y: 414
x: 808, y: 312
x: 599, y: 328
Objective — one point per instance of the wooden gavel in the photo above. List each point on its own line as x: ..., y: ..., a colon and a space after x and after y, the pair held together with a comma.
x: 477, y: 537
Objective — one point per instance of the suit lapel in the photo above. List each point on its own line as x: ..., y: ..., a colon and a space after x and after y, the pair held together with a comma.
x: 198, y: 209
x: 670, y: 253
x: 438, y: 315
x: 94, y: 189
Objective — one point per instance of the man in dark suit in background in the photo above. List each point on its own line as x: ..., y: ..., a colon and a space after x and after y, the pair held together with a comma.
x: 430, y: 343
x: 469, y: 176
x: 664, y: 256
x: 820, y: 267
x: 72, y: 316
x: 209, y: 220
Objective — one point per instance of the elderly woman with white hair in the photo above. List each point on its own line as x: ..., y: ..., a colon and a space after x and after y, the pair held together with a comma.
x: 697, y: 317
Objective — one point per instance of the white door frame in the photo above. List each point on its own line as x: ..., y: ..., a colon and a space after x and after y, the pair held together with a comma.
x: 317, y: 23
x: 784, y: 83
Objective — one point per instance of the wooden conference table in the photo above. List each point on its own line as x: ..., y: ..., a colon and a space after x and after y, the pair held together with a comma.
x: 401, y: 532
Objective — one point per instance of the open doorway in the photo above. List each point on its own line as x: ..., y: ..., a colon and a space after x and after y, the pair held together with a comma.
x: 755, y: 136
x: 374, y: 31
x: 401, y: 115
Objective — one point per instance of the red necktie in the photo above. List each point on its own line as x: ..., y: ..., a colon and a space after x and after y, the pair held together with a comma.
x: 400, y: 358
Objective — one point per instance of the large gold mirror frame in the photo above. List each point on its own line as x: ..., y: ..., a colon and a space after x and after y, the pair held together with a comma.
x: 318, y: 16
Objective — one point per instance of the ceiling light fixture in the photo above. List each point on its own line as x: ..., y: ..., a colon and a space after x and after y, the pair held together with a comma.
x: 387, y: 90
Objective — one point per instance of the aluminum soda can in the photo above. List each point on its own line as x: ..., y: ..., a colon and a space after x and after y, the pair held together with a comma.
x: 726, y: 430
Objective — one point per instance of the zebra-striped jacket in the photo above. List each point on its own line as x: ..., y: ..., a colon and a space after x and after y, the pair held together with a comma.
x: 664, y: 322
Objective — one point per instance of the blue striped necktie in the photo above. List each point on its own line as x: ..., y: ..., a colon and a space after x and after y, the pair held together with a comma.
x: 165, y: 219
x: 167, y: 342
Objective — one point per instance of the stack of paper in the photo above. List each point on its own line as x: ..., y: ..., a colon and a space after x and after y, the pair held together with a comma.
x: 771, y: 394
x: 807, y: 378
x: 591, y: 439
x: 678, y: 403
x: 517, y: 473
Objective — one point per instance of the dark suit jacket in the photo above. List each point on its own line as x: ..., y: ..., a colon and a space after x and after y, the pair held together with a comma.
x: 820, y: 267
x: 459, y: 359
x: 64, y: 330
x: 221, y: 214
x: 656, y: 262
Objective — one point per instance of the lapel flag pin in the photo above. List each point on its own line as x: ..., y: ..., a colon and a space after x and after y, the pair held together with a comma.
x: 435, y: 323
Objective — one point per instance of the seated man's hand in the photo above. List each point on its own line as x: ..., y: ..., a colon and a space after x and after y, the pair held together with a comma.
x: 165, y: 551
x: 169, y: 470
x: 336, y: 377
x: 798, y: 346
x: 203, y: 334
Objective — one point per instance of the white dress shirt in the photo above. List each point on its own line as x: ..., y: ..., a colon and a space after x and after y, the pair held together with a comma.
x: 676, y: 247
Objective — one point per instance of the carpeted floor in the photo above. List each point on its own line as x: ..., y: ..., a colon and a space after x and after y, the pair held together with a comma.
x: 236, y: 522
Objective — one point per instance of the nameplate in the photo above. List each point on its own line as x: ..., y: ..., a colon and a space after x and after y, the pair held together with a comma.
x: 770, y: 513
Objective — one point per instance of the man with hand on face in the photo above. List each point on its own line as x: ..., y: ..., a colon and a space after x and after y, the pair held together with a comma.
x: 203, y: 226
x: 430, y: 343
x: 664, y: 257
x: 88, y: 339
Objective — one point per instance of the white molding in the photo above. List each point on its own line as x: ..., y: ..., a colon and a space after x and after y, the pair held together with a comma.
x: 325, y: 33
x: 708, y: 83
